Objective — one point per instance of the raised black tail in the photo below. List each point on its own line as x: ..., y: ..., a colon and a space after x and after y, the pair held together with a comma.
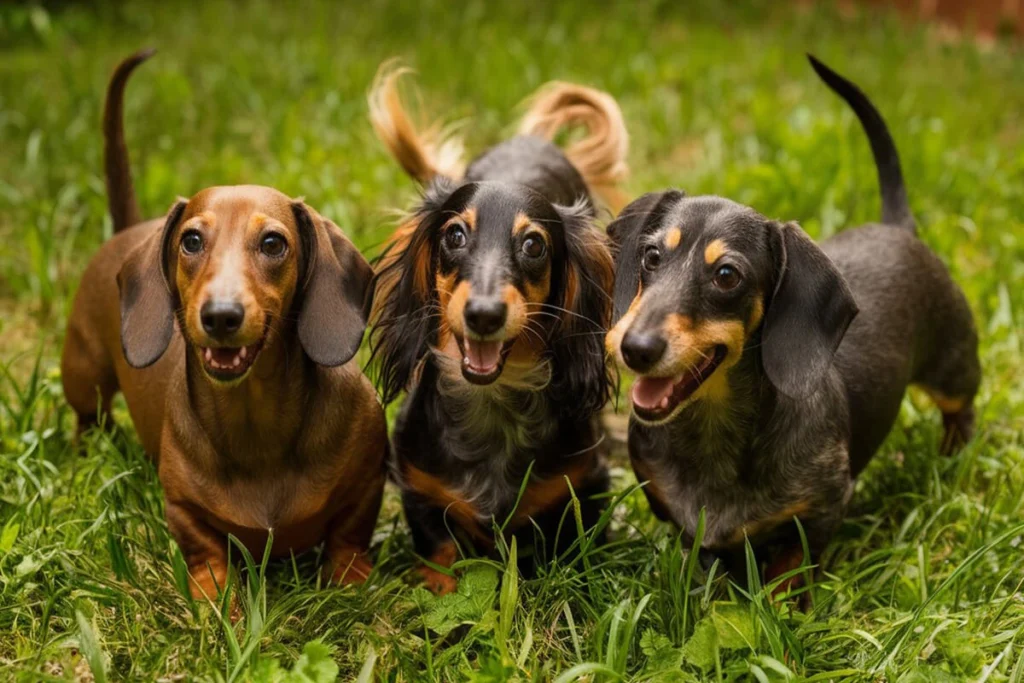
x: 895, y: 208
x: 124, y: 210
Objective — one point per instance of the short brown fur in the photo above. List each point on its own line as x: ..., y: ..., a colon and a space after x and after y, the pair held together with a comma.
x: 293, y: 446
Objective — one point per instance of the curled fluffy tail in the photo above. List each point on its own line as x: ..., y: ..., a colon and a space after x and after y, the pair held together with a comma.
x: 423, y: 154
x: 124, y: 210
x: 600, y: 156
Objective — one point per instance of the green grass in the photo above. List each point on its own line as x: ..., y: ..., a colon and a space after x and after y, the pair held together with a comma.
x: 925, y: 579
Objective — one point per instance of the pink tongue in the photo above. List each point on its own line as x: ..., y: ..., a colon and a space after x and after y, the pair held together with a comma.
x: 224, y: 356
x: 648, y: 391
x: 483, y: 355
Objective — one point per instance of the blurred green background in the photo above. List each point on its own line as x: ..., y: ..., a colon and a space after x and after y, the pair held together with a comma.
x: 925, y: 582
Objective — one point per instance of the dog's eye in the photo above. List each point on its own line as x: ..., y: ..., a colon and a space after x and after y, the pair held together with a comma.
x: 192, y: 242
x: 726, y: 277
x: 533, y: 247
x: 455, y: 238
x: 273, y: 245
x: 651, y: 259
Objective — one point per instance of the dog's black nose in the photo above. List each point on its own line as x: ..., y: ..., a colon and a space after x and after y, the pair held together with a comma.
x: 221, y: 318
x: 642, y: 350
x: 485, y: 315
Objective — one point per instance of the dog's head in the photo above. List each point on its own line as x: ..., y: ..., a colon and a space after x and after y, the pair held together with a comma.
x: 498, y: 281
x: 240, y: 267
x: 698, y: 280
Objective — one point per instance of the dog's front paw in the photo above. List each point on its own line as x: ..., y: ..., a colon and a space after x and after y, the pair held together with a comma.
x: 346, y: 568
x: 437, y: 582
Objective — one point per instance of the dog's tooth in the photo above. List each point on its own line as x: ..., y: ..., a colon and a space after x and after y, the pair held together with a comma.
x: 664, y: 402
x: 243, y: 352
x: 237, y: 361
x: 209, y: 355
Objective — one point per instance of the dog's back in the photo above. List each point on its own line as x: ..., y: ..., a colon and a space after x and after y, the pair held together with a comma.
x: 914, y: 324
x: 533, y: 162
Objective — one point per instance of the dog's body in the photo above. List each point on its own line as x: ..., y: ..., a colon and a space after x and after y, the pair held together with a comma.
x: 257, y: 418
x: 491, y: 303
x: 752, y: 403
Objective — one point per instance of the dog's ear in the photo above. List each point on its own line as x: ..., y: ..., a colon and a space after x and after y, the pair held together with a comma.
x: 625, y: 233
x: 808, y: 313
x: 147, y: 300
x: 404, y: 312
x: 583, y: 378
x: 337, y: 288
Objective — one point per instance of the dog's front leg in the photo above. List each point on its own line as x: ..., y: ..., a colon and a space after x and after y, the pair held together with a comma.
x: 204, y: 548
x: 789, y: 558
x: 432, y: 540
x: 349, y: 534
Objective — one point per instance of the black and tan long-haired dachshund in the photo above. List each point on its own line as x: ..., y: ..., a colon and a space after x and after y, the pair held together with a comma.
x: 491, y: 301
x: 230, y: 326
x: 772, y: 368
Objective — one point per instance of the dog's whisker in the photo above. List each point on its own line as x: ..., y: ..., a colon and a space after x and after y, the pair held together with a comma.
x: 574, y: 313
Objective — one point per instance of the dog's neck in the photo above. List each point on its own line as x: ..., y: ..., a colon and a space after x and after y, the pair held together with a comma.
x: 508, y: 420
x: 715, y: 432
x: 493, y: 432
x: 257, y: 422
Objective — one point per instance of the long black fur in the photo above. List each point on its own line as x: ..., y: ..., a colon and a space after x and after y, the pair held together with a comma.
x: 559, y: 423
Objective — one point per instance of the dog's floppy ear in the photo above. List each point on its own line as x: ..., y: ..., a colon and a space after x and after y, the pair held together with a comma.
x: 404, y: 312
x: 583, y: 379
x: 625, y: 233
x: 147, y: 301
x: 808, y: 313
x: 336, y: 292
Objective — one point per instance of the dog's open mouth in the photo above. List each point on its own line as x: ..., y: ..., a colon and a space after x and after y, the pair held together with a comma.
x: 229, y: 363
x: 483, y: 361
x: 655, y: 398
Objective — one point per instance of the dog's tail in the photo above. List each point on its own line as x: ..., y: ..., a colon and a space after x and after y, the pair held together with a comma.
x: 600, y: 156
x: 124, y: 210
x: 423, y: 154
x: 895, y: 207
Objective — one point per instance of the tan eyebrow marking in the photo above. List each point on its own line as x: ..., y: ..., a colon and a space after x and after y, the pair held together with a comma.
x: 469, y: 217
x: 207, y: 219
x: 714, y: 251
x: 258, y: 219
x: 521, y: 223
x: 673, y: 237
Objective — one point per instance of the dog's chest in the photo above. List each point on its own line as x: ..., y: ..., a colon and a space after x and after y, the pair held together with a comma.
x: 494, y: 423
x: 278, y: 502
x: 747, y: 493
x: 488, y: 439
x: 684, y: 494
x: 489, y: 489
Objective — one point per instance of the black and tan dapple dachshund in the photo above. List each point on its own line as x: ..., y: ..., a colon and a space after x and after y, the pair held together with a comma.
x: 771, y: 368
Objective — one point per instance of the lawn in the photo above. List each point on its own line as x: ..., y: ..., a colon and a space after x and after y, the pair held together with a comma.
x: 925, y: 579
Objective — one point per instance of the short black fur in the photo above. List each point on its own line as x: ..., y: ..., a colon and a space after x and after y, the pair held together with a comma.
x: 847, y: 325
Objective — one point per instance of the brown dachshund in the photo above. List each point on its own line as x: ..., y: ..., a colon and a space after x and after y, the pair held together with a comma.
x: 230, y: 325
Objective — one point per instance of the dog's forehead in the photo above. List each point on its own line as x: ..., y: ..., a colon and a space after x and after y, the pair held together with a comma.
x: 500, y: 208
x: 238, y: 204
x: 696, y: 221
